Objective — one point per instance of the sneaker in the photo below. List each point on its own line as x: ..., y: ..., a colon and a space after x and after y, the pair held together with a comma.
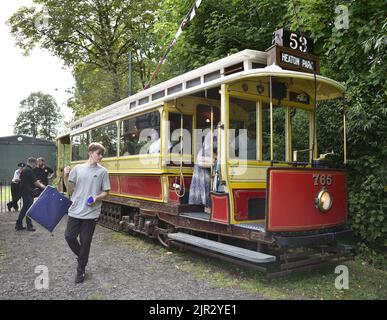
x: 80, y: 277
x: 18, y: 228
x: 31, y: 229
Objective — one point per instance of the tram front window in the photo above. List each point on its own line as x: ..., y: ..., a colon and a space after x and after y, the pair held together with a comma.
x: 279, y: 133
x: 243, y: 129
x: 300, y: 134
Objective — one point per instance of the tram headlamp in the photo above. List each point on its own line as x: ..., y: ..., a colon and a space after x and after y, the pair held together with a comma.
x: 323, y: 201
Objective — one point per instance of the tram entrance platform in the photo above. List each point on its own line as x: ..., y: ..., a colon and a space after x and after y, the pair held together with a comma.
x: 225, y: 249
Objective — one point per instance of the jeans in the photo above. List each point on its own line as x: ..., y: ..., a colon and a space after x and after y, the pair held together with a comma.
x: 84, y: 228
x: 27, y: 203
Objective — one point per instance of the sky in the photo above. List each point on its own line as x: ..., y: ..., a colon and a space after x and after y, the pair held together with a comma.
x: 21, y: 75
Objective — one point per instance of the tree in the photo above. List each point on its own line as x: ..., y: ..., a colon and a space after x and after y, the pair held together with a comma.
x: 97, y: 33
x: 356, y: 56
x: 218, y: 29
x: 39, y: 116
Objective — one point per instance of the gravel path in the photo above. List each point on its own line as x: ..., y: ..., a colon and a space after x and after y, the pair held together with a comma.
x: 115, y: 270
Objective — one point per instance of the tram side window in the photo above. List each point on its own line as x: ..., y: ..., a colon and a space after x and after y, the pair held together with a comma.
x: 139, y: 134
x: 175, y: 133
x: 243, y: 133
x: 107, y: 136
x: 79, y: 146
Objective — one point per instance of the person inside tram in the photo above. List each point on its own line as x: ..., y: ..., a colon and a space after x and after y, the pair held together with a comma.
x: 199, y: 193
x: 155, y: 146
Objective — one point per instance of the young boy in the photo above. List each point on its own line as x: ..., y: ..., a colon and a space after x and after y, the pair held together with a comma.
x: 89, y: 184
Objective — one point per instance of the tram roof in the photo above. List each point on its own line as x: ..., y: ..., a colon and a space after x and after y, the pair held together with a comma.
x: 244, y: 64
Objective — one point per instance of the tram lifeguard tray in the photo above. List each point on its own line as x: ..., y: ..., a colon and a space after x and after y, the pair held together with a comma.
x: 49, y: 208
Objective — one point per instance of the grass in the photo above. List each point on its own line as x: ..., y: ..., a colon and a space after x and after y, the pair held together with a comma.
x: 365, y: 282
x: 138, y: 243
x: 96, y: 296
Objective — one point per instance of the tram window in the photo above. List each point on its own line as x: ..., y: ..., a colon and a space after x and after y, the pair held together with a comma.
x: 175, y: 127
x: 243, y: 134
x: 107, y: 136
x: 265, y: 133
x: 300, y: 133
x: 203, y: 116
x: 278, y: 131
x: 279, y: 134
x: 139, y: 133
x: 79, y: 146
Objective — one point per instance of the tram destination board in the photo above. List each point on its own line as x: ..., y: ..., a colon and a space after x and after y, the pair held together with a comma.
x: 293, y: 60
x: 292, y: 40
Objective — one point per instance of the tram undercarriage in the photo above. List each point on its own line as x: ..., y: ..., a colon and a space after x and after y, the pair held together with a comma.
x: 186, y: 228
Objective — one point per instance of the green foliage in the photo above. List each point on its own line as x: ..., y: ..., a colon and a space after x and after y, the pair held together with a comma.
x: 39, y: 116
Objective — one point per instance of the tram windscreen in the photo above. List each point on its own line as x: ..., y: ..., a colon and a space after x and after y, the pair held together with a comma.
x: 279, y: 141
x: 243, y: 132
x: 300, y: 133
x: 279, y: 133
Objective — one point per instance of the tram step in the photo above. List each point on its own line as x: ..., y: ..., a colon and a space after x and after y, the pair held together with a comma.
x: 226, y: 249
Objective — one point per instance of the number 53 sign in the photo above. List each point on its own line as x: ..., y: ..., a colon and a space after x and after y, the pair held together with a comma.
x: 292, y: 40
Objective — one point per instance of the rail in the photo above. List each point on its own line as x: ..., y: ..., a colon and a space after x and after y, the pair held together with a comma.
x: 6, y: 197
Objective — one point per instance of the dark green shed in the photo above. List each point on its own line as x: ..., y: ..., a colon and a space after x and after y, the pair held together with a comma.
x: 17, y: 148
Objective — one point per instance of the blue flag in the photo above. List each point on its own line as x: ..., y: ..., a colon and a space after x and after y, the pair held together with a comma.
x: 49, y: 208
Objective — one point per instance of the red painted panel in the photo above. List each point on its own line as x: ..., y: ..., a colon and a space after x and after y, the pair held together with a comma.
x: 219, y: 208
x: 241, y: 198
x: 291, y: 195
x: 172, y: 196
x: 114, y: 183
x: 141, y: 186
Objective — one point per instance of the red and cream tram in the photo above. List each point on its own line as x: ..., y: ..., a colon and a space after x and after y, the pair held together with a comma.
x: 267, y: 203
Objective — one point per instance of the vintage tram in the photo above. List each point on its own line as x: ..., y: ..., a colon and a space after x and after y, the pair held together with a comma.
x: 277, y: 207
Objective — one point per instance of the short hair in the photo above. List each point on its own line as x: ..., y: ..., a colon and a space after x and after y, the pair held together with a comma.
x: 95, y: 146
x: 31, y: 160
x: 42, y: 159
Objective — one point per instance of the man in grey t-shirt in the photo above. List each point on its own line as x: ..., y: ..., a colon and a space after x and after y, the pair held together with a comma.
x: 89, y: 184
